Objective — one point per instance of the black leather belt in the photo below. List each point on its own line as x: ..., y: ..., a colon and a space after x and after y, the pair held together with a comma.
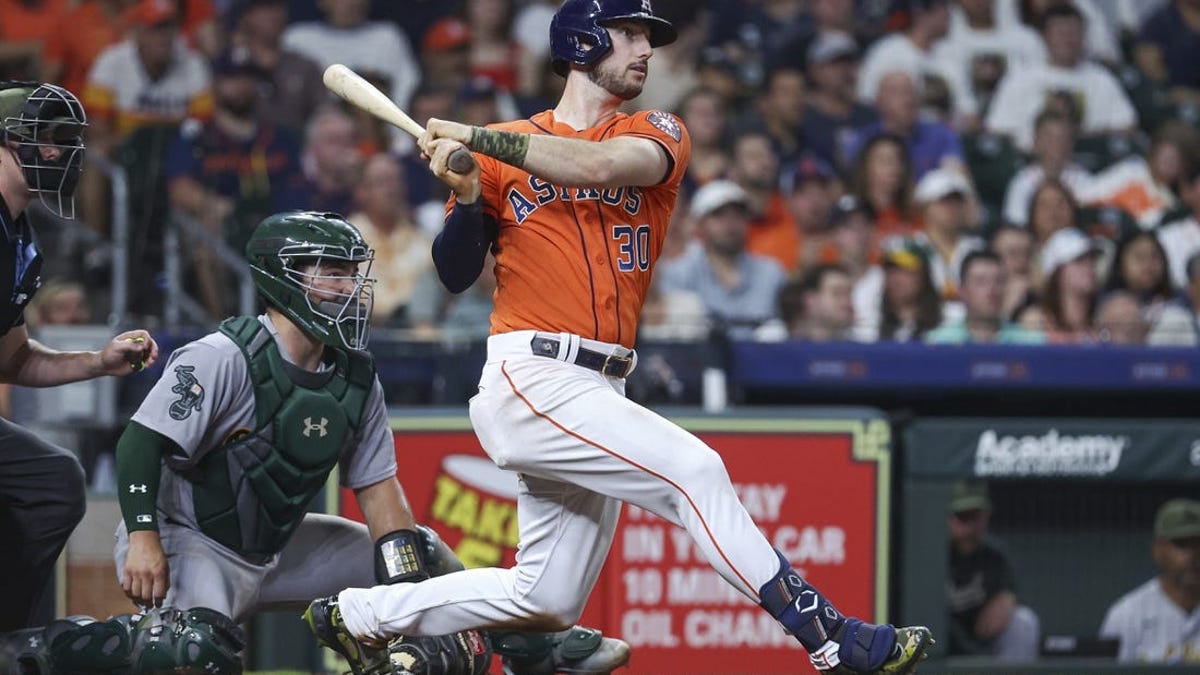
x: 607, y: 364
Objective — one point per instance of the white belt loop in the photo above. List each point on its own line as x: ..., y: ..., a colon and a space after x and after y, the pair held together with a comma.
x: 571, y: 345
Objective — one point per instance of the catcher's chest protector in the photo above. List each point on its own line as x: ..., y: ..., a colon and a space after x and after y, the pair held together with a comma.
x: 251, y: 493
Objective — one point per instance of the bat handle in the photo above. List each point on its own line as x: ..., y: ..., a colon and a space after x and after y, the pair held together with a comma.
x: 461, y: 161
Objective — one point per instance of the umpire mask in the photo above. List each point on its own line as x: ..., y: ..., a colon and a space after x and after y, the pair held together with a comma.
x: 46, y: 123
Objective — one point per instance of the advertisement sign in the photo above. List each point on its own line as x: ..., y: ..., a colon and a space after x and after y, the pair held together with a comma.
x: 817, y: 489
x: 1052, y: 448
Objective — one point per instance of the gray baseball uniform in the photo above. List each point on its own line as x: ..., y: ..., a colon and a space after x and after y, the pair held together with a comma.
x: 206, y: 400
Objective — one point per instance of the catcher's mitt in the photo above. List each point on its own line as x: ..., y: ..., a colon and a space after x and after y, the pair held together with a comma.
x: 465, y: 653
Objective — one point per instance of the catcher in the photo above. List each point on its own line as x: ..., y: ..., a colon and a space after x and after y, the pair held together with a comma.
x: 217, y: 467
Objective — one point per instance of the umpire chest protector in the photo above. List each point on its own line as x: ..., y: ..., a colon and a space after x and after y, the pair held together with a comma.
x: 252, y: 492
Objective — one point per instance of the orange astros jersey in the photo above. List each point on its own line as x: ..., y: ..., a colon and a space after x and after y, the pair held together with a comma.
x: 579, y: 260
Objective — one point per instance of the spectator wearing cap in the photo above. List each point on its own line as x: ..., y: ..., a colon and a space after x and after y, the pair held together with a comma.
x: 705, y: 114
x: 446, y: 54
x: 1179, y: 323
x: 480, y: 102
x: 810, y: 186
x: 718, y: 72
x: 817, y: 305
x: 1089, y: 92
x: 982, y: 293
x: 738, y: 288
x: 1053, y: 143
x: 946, y: 92
x: 1014, y: 246
x: 943, y: 197
x: 834, y: 115
x: 909, y: 305
x: 849, y: 242
x: 931, y: 144
x: 292, y: 90
x: 1068, y: 264
x: 376, y: 48
x: 985, y: 617
x: 229, y: 173
x: 1156, y: 622
x: 149, y: 78
x: 982, y: 48
x: 755, y: 168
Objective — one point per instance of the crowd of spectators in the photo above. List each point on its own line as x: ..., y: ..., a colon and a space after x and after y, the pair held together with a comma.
x: 949, y: 171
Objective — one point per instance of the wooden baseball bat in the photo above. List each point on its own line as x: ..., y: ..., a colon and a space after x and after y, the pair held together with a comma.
x: 365, y: 96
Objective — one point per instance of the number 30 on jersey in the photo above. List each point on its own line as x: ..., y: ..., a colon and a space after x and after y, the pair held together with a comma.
x: 633, y: 247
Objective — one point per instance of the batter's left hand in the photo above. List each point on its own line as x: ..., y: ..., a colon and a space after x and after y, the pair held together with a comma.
x: 128, y: 352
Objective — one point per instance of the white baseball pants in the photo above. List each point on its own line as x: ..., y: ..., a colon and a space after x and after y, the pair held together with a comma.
x: 580, y: 448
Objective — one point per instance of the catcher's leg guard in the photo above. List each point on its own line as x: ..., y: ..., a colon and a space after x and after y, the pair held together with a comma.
x: 91, y: 646
x: 324, y: 619
x: 27, y: 648
x: 578, y: 650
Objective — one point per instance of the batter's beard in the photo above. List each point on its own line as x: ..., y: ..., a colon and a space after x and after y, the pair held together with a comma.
x: 614, y: 84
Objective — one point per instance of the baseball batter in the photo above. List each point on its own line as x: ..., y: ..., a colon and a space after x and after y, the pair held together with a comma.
x: 41, y: 485
x: 574, y: 204
x: 217, y: 467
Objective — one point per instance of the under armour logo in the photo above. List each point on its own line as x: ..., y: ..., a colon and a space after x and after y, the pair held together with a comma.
x: 309, y: 427
x: 137, y: 488
x: 34, y: 642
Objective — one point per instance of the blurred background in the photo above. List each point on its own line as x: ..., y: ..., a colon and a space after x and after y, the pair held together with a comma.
x: 974, y: 222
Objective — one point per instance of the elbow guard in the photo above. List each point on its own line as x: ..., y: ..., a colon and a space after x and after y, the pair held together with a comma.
x: 400, y: 558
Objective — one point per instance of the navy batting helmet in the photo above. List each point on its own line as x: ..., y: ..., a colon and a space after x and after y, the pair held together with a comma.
x: 577, y: 32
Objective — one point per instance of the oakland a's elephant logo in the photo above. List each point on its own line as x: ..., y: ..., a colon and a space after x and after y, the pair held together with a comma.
x: 191, y: 394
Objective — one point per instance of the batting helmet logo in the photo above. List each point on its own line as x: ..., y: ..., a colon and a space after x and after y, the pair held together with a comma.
x: 577, y: 32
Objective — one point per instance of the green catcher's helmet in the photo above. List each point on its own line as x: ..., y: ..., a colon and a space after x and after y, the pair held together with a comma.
x: 288, y: 252
x: 197, y: 641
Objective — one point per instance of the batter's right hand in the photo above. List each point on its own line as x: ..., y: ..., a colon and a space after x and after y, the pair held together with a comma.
x: 466, y: 186
x: 146, y: 577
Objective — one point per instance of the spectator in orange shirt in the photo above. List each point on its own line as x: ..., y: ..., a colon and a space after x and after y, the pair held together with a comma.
x: 24, y: 27
x: 80, y: 34
x: 811, y: 187
x: 755, y: 169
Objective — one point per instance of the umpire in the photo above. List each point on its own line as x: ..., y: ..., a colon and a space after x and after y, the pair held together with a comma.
x: 41, y: 485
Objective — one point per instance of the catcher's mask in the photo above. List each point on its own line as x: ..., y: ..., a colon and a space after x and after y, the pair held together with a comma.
x: 46, y: 123
x: 298, y: 262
